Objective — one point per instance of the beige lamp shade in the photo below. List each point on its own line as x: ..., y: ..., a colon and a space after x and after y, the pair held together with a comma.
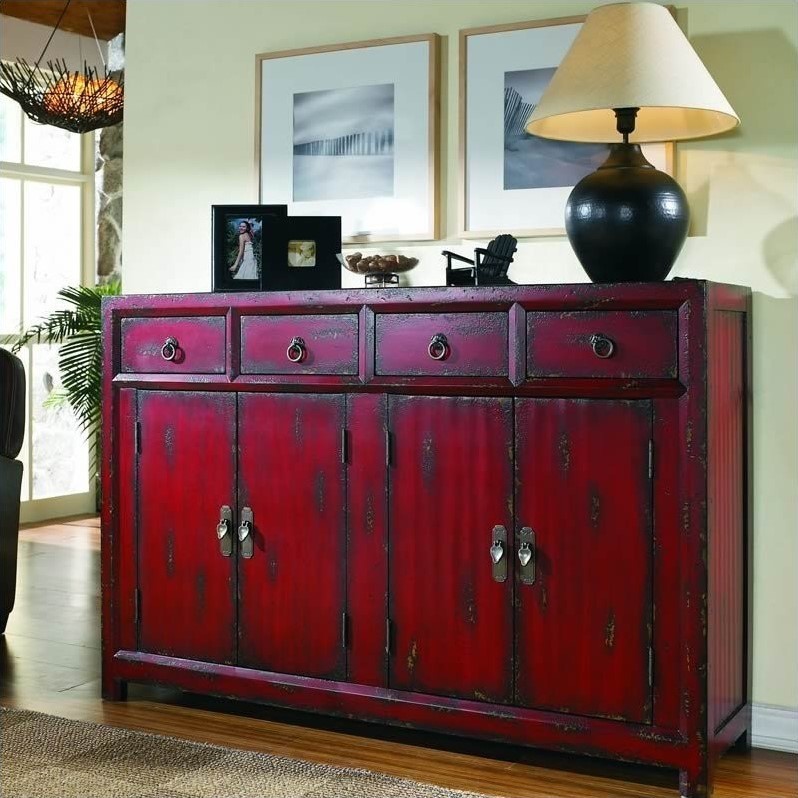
x: 631, y: 55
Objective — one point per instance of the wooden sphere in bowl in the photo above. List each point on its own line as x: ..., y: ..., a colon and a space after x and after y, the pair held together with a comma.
x: 378, y: 264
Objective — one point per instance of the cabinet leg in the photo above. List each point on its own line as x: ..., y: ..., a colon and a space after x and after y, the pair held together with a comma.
x: 114, y: 690
x: 743, y: 742
x: 694, y: 783
x: 3, y: 622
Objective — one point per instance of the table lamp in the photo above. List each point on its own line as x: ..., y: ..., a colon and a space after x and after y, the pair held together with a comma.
x: 631, y: 74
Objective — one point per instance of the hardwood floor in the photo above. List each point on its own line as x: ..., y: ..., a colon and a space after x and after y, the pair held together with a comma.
x: 50, y: 662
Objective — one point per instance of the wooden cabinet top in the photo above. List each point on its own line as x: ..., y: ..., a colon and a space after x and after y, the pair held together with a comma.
x: 621, y: 296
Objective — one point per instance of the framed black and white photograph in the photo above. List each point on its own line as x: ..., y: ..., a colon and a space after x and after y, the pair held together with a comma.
x: 301, y: 253
x: 238, y: 239
x: 511, y: 180
x: 344, y: 143
x: 351, y: 130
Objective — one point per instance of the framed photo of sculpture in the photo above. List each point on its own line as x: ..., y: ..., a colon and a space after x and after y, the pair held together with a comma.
x: 237, y: 232
x: 510, y: 180
x: 351, y: 130
x: 301, y: 253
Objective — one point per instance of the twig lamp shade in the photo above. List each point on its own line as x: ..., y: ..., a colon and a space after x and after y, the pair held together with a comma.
x: 55, y: 95
x: 631, y: 72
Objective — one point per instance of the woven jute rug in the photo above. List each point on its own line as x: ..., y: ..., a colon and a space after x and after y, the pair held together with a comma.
x: 42, y: 756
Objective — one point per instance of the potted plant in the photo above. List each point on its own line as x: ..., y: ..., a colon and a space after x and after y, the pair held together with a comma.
x: 79, y: 330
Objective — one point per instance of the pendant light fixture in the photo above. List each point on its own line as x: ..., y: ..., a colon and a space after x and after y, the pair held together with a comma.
x: 55, y: 95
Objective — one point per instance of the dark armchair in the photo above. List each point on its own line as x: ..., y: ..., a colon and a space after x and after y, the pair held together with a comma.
x: 12, y: 430
x: 488, y: 267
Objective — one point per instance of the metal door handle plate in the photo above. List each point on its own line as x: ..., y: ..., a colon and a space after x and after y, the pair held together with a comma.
x: 246, y: 540
x: 526, y: 555
x: 223, y: 531
x: 497, y: 558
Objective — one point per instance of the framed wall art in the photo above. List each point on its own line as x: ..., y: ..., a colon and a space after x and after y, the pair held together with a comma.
x: 510, y: 180
x: 352, y: 130
x: 237, y: 232
x: 301, y: 253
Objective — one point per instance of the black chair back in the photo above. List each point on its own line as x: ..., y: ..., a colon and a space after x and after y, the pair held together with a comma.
x: 12, y: 430
x: 499, y: 255
x: 12, y: 404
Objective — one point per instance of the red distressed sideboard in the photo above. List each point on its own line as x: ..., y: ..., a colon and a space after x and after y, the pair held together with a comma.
x: 517, y: 513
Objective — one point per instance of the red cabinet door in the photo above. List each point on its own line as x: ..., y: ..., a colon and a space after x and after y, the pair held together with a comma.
x: 187, y: 588
x: 583, y: 627
x: 450, y: 484
x: 292, y: 592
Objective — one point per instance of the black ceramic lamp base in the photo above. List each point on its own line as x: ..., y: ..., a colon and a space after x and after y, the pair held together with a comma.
x: 627, y: 221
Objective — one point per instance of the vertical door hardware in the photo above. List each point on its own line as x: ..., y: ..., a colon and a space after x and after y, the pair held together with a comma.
x: 344, y: 630
x: 650, y: 666
x: 387, y: 447
x: 246, y: 543
x: 498, y: 555
x: 136, y: 605
x: 526, y: 555
x: 224, y: 531
x: 650, y: 459
x: 388, y: 636
x: 138, y: 437
x: 344, y: 447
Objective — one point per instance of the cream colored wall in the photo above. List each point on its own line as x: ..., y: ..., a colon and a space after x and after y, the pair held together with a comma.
x: 189, y: 143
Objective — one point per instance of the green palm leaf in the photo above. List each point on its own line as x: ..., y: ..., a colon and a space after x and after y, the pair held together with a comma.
x: 79, y: 330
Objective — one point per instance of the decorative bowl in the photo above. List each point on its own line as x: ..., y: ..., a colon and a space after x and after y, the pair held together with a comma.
x: 379, y: 270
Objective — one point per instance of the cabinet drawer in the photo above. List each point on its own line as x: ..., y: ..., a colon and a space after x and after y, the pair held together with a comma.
x: 327, y: 344
x: 448, y: 344
x: 180, y: 344
x: 620, y: 344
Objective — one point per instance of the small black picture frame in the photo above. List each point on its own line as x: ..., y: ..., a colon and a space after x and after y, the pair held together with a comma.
x: 301, y: 253
x: 238, y: 237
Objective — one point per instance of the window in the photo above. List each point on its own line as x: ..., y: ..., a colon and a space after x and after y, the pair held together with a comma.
x: 46, y: 243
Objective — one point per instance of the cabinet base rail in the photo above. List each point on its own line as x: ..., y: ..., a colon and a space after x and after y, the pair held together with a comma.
x: 500, y: 723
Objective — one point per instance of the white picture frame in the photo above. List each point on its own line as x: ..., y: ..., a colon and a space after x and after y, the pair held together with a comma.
x: 505, y: 188
x: 351, y: 130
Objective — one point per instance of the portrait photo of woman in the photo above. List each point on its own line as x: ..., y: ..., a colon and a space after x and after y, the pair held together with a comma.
x: 242, y: 241
x: 238, y: 245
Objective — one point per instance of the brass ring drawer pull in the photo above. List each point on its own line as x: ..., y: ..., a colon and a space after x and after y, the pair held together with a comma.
x: 438, y: 348
x: 603, y: 347
x: 296, y: 350
x: 169, y: 348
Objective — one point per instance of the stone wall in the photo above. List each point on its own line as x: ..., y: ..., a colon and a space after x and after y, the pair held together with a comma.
x: 109, y: 198
x: 108, y: 168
